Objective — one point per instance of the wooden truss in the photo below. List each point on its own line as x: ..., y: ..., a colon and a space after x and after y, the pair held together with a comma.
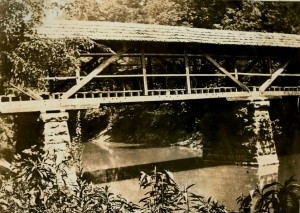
x: 236, y: 79
x: 93, y: 74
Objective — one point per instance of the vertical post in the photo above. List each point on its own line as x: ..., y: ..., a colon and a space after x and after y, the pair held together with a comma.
x: 187, y: 72
x: 144, y: 71
x: 269, y: 66
x: 78, y: 133
x: 149, y: 69
x: 51, y: 83
x: 77, y: 76
x: 57, y: 143
x: 235, y: 69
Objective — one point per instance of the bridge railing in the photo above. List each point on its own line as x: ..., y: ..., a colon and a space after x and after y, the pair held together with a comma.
x: 216, y: 90
x: 13, y: 97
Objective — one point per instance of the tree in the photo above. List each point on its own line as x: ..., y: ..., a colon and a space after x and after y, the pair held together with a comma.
x: 282, y: 17
x: 105, y: 10
x: 37, y: 58
x: 168, y: 12
x: 242, y: 16
x: 203, y: 13
x: 26, y: 59
x: 279, y: 17
x: 17, y: 19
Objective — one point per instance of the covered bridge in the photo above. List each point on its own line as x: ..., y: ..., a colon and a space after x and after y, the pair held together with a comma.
x: 139, y: 62
x: 142, y: 62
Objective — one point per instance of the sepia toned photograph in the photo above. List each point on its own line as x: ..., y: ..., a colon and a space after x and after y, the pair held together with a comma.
x: 149, y: 106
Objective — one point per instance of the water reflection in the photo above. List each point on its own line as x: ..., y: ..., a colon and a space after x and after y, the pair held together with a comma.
x: 103, y: 155
x: 111, y: 161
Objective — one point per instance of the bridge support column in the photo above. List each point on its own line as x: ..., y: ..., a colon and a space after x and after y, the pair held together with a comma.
x: 57, y: 144
x: 264, y: 142
x: 78, y: 132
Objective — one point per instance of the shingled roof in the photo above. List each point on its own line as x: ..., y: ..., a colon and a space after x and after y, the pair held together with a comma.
x: 115, y: 31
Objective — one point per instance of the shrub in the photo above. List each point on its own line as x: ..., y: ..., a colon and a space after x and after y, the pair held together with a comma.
x: 34, y: 186
x: 165, y: 196
x: 273, y: 197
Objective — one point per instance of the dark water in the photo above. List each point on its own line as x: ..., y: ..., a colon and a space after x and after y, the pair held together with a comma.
x: 119, y: 165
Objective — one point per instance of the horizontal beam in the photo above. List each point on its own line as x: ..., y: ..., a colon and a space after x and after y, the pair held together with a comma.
x: 137, y: 54
x: 166, y: 75
x: 87, y: 103
x: 171, y: 55
x: 289, y: 75
x: 154, y: 95
x: 254, y: 74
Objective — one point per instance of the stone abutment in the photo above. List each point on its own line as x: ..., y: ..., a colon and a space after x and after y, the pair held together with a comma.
x: 264, y: 137
x: 57, y: 143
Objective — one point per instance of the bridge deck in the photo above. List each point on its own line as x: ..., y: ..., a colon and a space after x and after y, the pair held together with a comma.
x: 93, y: 99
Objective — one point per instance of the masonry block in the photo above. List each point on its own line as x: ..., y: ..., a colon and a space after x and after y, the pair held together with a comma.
x: 265, y: 145
x: 57, y: 144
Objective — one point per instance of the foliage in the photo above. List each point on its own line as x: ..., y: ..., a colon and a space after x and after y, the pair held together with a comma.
x: 106, y: 10
x: 203, y: 13
x: 28, y: 187
x: 262, y: 16
x: 165, y: 196
x: 234, y: 15
x: 35, y: 186
x: 7, y: 142
x: 38, y: 184
x: 200, y: 204
x: 26, y: 59
x: 289, y: 120
x: 37, y: 58
x: 275, y: 197
x: 17, y: 19
x: 6, y: 130
x: 96, y: 117
x: 245, y: 17
x: 168, y: 12
x: 159, y: 124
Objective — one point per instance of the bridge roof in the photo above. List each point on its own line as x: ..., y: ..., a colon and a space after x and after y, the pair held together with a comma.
x: 115, y: 31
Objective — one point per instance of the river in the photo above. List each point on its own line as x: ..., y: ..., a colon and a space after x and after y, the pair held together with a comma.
x: 119, y: 164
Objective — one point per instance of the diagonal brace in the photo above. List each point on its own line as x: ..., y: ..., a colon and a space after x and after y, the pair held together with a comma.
x: 222, y: 69
x: 28, y: 92
x: 275, y: 75
x: 93, y: 74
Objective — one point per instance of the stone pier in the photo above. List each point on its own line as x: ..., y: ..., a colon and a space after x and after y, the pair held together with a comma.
x: 265, y: 145
x: 57, y: 143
